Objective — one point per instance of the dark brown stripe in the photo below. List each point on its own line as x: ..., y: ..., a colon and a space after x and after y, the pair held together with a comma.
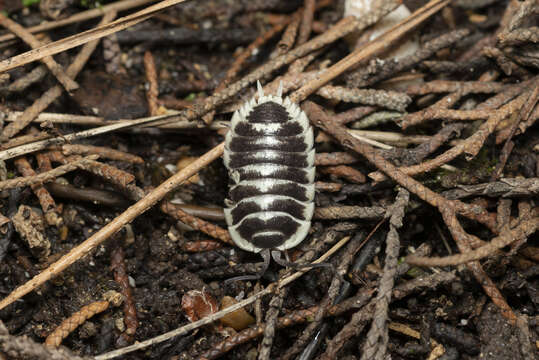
x: 268, y: 112
x: 283, y: 143
x: 243, y: 209
x: 291, y: 128
x: 293, y: 174
x: 268, y: 241
x: 291, y: 189
x: 284, y: 224
x: 289, y: 206
x: 298, y: 160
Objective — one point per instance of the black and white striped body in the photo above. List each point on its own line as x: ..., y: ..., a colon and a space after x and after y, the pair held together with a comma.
x: 270, y: 158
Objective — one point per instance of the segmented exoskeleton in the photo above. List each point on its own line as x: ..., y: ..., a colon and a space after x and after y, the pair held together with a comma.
x: 270, y: 158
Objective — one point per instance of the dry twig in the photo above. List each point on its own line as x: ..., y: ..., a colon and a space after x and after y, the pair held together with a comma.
x: 375, y: 346
x: 45, y: 199
x: 153, y: 88
x: 45, y: 176
x: 28, y: 38
x: 74, y: 321
x: 117, y: 264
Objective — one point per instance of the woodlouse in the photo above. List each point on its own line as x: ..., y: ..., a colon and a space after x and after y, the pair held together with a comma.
x: 269, y: 154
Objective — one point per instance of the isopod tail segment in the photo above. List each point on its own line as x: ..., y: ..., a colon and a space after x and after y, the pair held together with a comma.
x: 269, y: 153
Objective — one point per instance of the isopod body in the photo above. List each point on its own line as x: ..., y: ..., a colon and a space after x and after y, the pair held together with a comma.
x: 270, y: 159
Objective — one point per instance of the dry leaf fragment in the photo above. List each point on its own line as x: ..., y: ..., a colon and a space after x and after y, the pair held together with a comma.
x: 198, y: 304
x: 239, y: 319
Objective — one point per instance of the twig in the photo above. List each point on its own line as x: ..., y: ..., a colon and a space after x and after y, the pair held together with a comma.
x: 207, y: 228
x: 355, y: 114
x: 349, y: 212
x: 530, y: 114
x: 45, y: 176
x: 417, y: 154
x: 520, y: 116
x: 45, y: 199
x: 327, y: 187
x: 363, y: 78
x: 334, y: 158
x: 55, y: 118
x: 118, y: 177
x: 43, y: 163
x: 201, y: 246
x: 94, y: 196
x: 12, y: 152
x: 483, y: 110
x: 505, y: 188
x: 86, y: 312
x: 458, y: 67
x: 289, y: 35
x: 306, y: 21
x: 375, y: 346
x: 387, y: 99
x: 204, y: 212
x: 53, y: 93
x: 28, y: 38
x: 519, y: 36
x: 117, y: 264
x: 395, y: 138
x: 102, y: 152
x: 345, y: 172
x: 37, y: 74
x: 434, y: 112
x: 422, y: 283
x: 275, y: 306
x: 153, y: 88
x: 506, y: 64
x: 466, y: 87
